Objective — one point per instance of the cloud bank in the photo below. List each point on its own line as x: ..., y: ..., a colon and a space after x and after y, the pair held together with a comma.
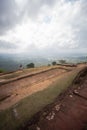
x: 43, y: 26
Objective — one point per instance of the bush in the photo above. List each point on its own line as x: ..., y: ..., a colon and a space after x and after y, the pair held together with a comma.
x: 54, y: 63
x: 31, y: 65
x: 1, y: 70
x: 62, y: 61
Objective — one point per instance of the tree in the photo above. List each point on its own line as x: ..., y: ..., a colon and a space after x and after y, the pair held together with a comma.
x: 62, y: 61
x: 1, y: 70
x: 54, y: 63
x: 31, y: 65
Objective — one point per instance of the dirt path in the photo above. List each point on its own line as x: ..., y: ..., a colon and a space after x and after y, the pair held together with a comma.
x: 68, y: 112
x: 13, y: 92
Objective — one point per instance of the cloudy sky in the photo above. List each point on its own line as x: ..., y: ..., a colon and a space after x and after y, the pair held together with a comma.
x: 43, y: 26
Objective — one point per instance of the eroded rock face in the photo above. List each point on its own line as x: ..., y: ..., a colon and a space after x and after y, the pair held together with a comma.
x: 57, y: 107
x: 51, y: 116
x: 38, y: 128
x: 76, y: 92
x: 70, y: 96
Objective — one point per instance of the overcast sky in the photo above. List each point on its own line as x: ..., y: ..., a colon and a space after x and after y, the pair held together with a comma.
x: 43, y: 26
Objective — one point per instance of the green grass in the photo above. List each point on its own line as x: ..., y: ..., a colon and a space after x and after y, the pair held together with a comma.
x: 32, y: 104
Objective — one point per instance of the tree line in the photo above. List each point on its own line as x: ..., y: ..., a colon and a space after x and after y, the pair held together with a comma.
x: 32, y: 65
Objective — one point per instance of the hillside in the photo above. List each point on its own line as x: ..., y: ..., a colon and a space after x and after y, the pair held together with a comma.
x: 23, y: 93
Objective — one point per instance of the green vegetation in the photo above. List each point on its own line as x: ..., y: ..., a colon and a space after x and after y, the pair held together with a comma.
x: 54, y: 63
x: 62, y: 61
x: 1, y: 70
x: 32, y: 104
x: 31, y: 65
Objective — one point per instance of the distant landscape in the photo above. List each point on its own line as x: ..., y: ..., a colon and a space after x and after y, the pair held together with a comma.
x: 12, y: 62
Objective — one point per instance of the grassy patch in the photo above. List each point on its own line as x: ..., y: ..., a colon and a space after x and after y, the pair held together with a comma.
x: 32, y: 104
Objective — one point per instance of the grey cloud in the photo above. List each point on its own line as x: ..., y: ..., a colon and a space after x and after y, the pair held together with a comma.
x: 71, y: 0
x: 80, y: 23
x: 9, y: 15
x: 7, y: 45
x: 33, y: 7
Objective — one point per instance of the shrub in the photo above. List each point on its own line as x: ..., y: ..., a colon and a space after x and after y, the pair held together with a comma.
x: 62, y: 61
x: 1, y: 70
x: 31, y: 65
x: 54, y: 63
